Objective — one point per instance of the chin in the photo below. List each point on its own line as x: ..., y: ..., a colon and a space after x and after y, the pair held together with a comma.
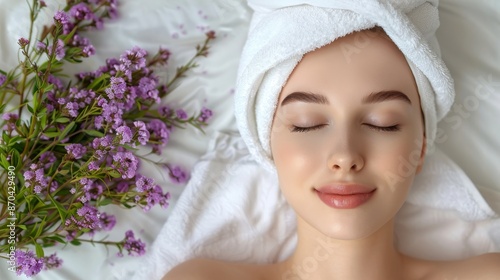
x: 349, y: 235
x: 349, y: 231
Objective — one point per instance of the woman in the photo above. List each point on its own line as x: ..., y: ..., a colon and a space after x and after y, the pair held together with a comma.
x: 343, y: 126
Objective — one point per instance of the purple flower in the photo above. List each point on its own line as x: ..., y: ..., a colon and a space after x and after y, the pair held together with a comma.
x: 58, y: 84
x: 83, y: 43
x: 27, y: 263
x: 2, y: 79
x: 181, y: 114
x: 147, y: 89
x: 60, y: 52
x: 93, y: 191
x: 122, y: 186
x: 113, y: 9
x: 165, y: 111
x: 47, y: 159
x: 126, y: 164
x: 143, y: 183
x: 205, y: 114
x: 142, y: 132
x: 98, y: 122
x: 152, y: 194
x: 177, y: 174
x: 103, y: 142
x: 71, y: 234
x: 37, y: 189
x: 125, y: 134
x: 28, y: 175
x: 23, y: 42
x: 88, y: 218
x: 81, y: 11
x: 72, y: 108
x: 132, y: 60
x: 108, y: 222
x: 41, y: 46
x: 54, y: 186
x: 117, y: 88
x: 164, y: 54
x: 10, y: 117
x: 159, y: 132
x: 61, y: 18
x: 93, y: 166
x: 112, y: 111
x: 134, y: 247
x: 76, y: 151
x: 52, y: 261
x: 35, y: 177
x: 88, y: 50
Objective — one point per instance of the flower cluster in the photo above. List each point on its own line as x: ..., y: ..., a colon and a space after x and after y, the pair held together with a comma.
x: 71, y: 143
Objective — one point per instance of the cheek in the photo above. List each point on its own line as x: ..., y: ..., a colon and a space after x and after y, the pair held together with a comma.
x: 296, y: 158
x: 397, y: 160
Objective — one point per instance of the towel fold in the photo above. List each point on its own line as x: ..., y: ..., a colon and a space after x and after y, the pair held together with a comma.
x: 281, y: 32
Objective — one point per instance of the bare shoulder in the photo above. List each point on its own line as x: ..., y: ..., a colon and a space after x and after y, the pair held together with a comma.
x: 483, y: 267
x: 208, y: 269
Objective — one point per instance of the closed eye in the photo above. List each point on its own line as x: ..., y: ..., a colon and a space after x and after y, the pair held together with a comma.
x: 391, y: 128
x: 306, y: 129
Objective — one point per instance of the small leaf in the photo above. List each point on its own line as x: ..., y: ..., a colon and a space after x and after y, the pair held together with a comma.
x: 66, y: 130
x: 64, y: 172
x: 76, y: 242
x: 51, y: 134
x: 60, y: 208
x: 41, y: 226
x: 39, y: 250
x: 94, y: 133
x: 62, y: 120
x: 4, y: 162
x: 114, y: 173
x: 22, y: 227
x: 56, y: 238
x: 105, y: 202
x: 99, y: 82
x: 43, y: 121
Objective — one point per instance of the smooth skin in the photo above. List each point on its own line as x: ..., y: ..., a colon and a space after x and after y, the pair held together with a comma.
x: 347, y: 115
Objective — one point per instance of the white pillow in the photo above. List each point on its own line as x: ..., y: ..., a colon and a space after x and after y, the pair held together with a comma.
x: 470, y: 133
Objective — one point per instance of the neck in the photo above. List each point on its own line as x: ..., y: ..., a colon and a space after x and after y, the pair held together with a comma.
x: 318, y: 256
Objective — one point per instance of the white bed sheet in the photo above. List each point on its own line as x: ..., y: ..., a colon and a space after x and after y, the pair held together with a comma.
x: 469, y: 46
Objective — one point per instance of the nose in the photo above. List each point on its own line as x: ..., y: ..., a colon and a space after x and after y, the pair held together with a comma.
x: 345, y: 157
x: 346, y: 162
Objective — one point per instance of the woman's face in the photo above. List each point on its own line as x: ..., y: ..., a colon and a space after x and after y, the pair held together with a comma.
x: 347, y: 136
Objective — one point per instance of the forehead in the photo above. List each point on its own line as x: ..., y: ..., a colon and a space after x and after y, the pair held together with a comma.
x: 364, y: 61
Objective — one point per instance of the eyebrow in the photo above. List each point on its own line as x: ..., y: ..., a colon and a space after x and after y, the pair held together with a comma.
x: 386, y: 95
x: 307, y: 97
x: 374, y: 97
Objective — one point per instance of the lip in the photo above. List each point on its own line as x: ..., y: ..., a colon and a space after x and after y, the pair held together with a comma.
x: 345, y: 196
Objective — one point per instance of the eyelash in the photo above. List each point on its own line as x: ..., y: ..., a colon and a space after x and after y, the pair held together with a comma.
x: 306, y: 129
x: 392, y: 128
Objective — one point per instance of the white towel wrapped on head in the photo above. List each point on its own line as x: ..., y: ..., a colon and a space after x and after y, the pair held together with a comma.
x: 281, y: 32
